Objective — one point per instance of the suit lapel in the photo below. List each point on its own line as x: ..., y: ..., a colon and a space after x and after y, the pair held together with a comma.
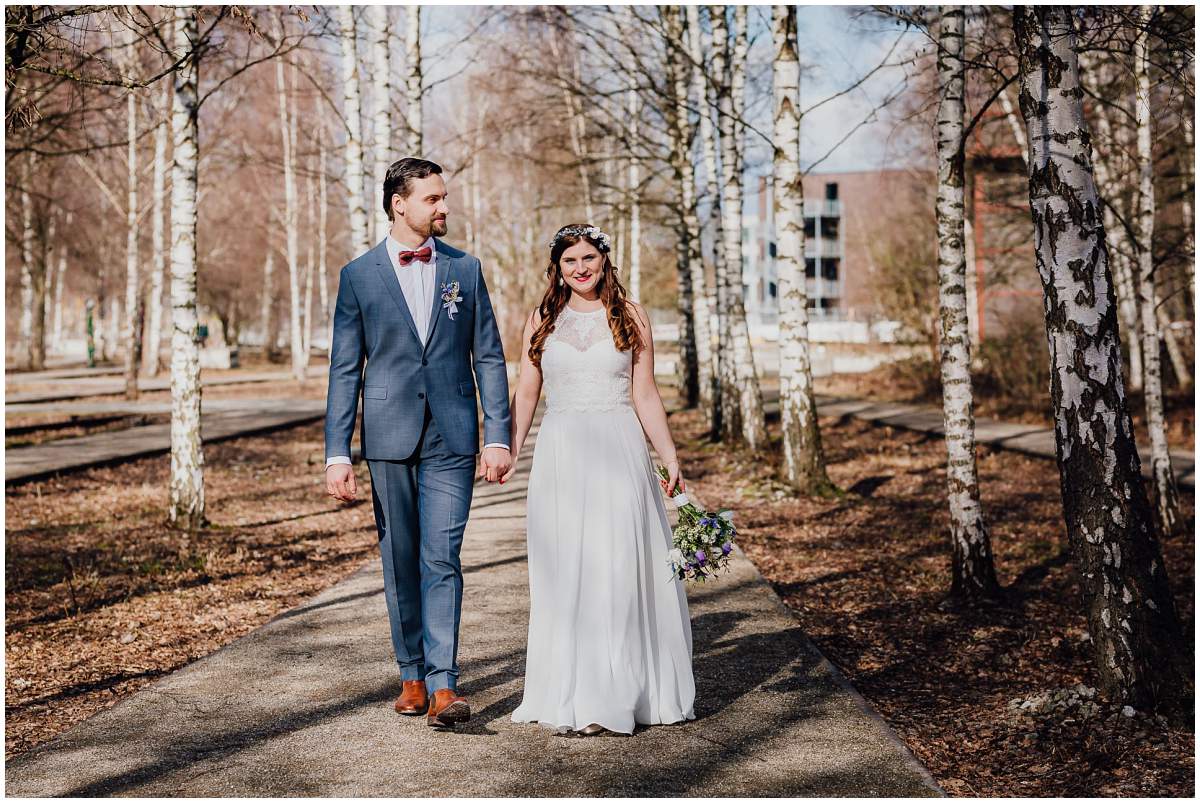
x: 388, y: 274
x: 442, y: 269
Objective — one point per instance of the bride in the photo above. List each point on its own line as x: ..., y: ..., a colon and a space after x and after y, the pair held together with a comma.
x: 610, y: 640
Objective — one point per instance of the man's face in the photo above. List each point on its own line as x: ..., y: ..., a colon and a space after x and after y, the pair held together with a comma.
x: 424, y: 210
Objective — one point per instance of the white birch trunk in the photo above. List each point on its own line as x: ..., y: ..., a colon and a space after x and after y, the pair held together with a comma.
x: 186, y: 509
x: 158, y: 250
x: 25, y: 326
x: 360, y: 240
x: 381, y: 133
x: 413, y: 85
x: 308, y: 267
x: 59, y: 278
x: 1109, y: 172
x: 267, y: 303
x: 291, y: 224
x: 635, y: 207
x: 749, y: 421
x: 132, y: 335
x: 710, y: 298
x: 973, y: 572
x: 804, y: 464
x: 322, y: 237
x: 1136, y: 639
x: 697, y: 377
x: 1166, y: 497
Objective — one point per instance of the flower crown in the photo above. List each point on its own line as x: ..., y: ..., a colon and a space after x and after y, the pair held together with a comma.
x: 591, y: 232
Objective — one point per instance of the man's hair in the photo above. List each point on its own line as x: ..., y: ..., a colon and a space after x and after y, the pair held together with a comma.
x: 400, y: 175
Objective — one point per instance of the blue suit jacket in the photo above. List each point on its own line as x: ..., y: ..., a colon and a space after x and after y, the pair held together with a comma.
x: 372, y: 323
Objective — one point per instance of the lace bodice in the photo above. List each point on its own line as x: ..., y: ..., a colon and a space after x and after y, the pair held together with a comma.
x: 581, y: 367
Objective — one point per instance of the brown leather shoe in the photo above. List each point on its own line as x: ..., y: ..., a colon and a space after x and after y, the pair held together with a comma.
x: 413, y: 701
x: 446, y: 709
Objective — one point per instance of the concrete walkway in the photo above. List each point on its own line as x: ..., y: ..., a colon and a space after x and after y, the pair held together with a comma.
x: 1026, y: 438
x: 303, y: 707
x: 230, y: 419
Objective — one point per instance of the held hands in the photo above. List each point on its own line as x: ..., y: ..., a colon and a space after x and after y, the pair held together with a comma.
x: 495, y: 464
x: 339, y: 482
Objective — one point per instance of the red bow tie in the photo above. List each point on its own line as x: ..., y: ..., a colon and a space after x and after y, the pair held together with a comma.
x: 422, y: 255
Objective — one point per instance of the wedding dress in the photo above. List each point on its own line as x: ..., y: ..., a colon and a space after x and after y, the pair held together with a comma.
x: 610, y: 639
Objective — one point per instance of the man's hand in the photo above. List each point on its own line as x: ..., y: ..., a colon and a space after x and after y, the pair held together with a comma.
x: 339, y: 482
x: 494, y: 463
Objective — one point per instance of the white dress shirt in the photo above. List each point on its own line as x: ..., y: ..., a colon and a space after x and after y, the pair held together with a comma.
x: 416, y: 282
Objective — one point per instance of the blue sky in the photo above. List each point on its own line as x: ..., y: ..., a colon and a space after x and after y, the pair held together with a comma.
x: 838, y: 44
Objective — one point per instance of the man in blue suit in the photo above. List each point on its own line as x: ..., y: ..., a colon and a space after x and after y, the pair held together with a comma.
x: 417, y: 312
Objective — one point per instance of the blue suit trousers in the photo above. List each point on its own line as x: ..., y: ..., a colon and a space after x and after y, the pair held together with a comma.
x: 421, y: 506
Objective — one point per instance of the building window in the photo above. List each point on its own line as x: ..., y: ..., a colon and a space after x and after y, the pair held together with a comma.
x: 772, y: 250
x: 829, y: 269
x: 773, y: 289
x: 810, y: 268
x: 829, y: 227
x: 810, y: 227
x: 831, y: 191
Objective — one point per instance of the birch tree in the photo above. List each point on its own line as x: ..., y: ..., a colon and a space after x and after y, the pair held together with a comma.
x: 186, y: 509
x: 1166, y: 495
x: 742, y: 407
x: 973, y: 572
x: 132, y: 334
x: 635, y: 205
x: 360, y: 241
x: 1135, y: 632
x: 59, y: 277
x: 290, y: 222
x: 414, y: 82
x: 695, y: 349
x: 703, y: 90
x: 25, y: 324
x: 803, y: 460
x: 381, y: 133
x: 158, y: 252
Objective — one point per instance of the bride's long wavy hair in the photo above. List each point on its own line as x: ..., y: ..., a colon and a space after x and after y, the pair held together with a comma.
x: 612, y: 295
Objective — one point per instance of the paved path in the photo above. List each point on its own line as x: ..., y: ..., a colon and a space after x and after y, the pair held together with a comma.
x: 1026, y: 438
x: 303, y: 707
x: 217, y: 422
x: 85, y: 386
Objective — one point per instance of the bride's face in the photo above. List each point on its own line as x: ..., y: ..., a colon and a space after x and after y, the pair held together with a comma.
x: 582, y: 264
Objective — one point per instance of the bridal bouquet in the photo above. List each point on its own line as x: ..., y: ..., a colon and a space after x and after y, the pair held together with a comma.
x: 703, y: 541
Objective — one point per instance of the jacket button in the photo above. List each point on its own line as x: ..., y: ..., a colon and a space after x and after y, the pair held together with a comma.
x: 420, y: 395
x: 424, y: 362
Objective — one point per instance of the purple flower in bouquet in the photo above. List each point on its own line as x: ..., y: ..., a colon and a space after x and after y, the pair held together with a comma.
x: 696, y: 536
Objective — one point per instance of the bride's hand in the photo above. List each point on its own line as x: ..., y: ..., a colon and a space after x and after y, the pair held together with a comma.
x: 673, y: 479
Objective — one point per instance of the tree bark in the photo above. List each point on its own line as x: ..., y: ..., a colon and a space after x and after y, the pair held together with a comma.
x: 186, y: 509
x: 322, y: 237
x: 413, y: 83
x: 60, y: 276
x: 803, y: 459
x: 291, y: 224
x: 1166, y: 494
x: 693, y: 323
x: 360, y: 240
x: 133, y: 334
x: 1135, y: 631
x: 158, y: 251
x: 635, y: 206
x: 973, y: 571
x: 381, y: 133
x: 742, y: 406
x: 1109, y: 169
x: 25, y: 325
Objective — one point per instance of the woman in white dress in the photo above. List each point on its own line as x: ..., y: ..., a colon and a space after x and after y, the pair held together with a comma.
x: 610, y: 639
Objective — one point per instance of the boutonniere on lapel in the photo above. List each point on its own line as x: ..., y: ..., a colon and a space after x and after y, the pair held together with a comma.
x: 449, y: 297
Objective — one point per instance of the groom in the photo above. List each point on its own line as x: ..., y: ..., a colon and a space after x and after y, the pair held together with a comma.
x: 417, y: 311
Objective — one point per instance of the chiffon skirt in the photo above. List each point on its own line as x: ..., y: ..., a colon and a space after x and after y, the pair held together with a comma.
x: 610, y: 639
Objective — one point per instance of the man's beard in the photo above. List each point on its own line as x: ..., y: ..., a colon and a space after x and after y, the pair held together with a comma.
x: 437, y: 228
